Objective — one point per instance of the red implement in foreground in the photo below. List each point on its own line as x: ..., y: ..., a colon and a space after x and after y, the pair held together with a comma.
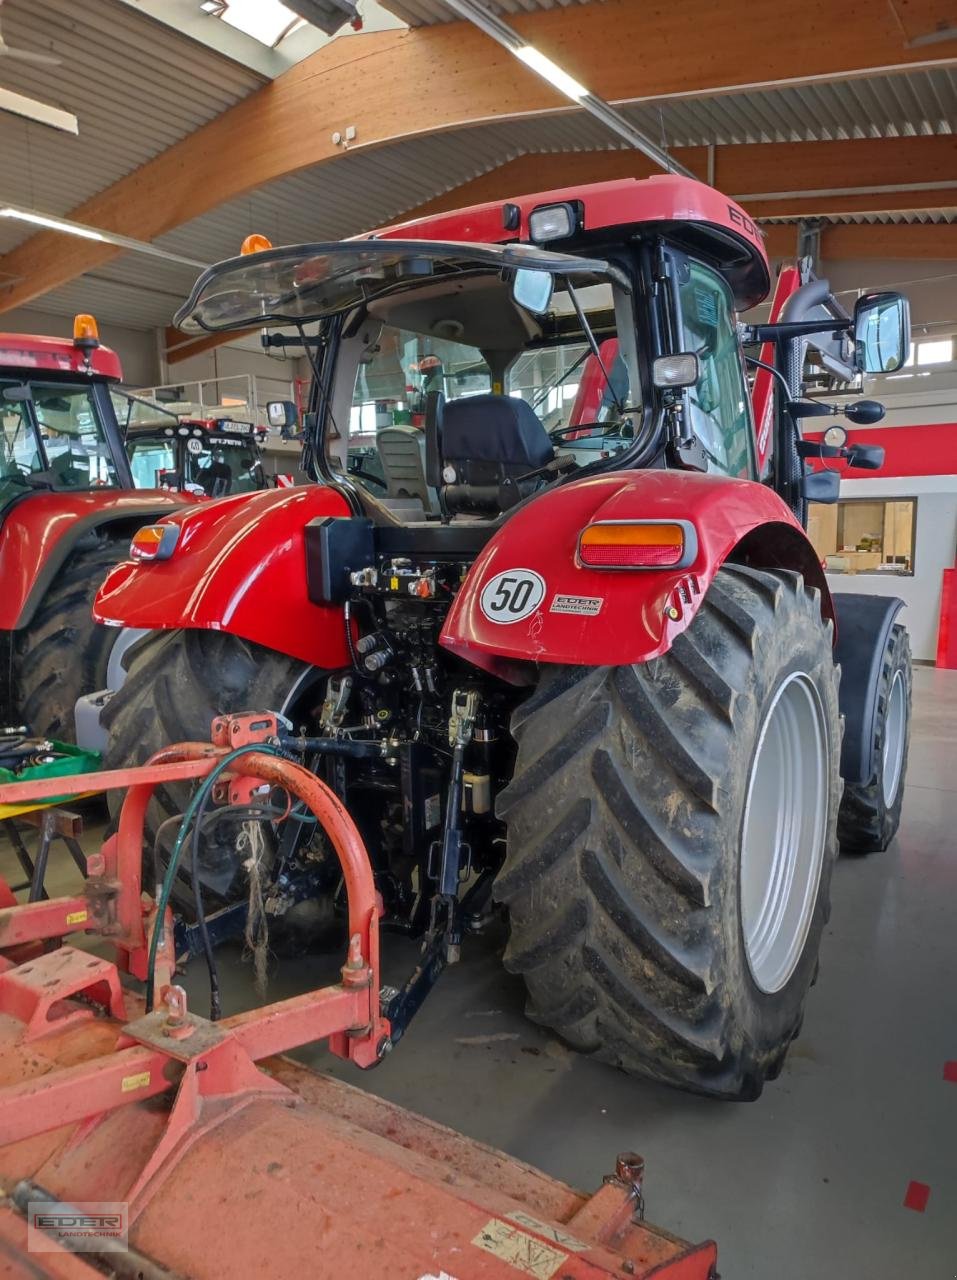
x: 232, y: 1161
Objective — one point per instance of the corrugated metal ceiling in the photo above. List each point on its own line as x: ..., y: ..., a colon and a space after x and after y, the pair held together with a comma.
x: 423, y: 13
x: 136, y: 86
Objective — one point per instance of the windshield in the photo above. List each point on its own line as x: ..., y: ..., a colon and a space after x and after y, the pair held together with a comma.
x: 307, y: 282
x: 52, y: 439
x: 210, y: 465
x: 133, y: 411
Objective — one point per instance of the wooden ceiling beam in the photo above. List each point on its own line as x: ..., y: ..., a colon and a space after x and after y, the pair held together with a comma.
x: 743, y: 170
x: 394, y: 84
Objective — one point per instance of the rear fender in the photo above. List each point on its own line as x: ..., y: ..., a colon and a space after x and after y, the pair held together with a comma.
x: 239, y: 566
x: 599, y: 617
x: 41, y: 531
x: 864, y: 626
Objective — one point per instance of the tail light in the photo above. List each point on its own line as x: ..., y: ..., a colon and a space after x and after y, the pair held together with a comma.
x: 154, y: 542
x: 638, y: 544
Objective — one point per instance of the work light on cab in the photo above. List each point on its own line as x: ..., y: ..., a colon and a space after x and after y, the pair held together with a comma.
x: 638, y: 544
x: 552, y: 222
x: 154, y: 542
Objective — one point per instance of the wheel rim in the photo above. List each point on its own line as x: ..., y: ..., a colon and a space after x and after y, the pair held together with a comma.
x: 784, y: 832
x: 892, y: 752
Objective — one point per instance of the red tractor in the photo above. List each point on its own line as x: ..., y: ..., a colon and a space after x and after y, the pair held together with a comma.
x: 67, y: 508
x: 601, y: 689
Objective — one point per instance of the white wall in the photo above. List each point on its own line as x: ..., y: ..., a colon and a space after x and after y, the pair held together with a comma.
x: 135, y: 347
x: 934, y: 551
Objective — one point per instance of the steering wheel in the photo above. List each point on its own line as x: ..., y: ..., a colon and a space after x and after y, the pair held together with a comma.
x: 623, y: 430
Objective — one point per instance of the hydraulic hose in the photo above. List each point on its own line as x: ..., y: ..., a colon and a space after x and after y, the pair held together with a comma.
x: 197, y: 799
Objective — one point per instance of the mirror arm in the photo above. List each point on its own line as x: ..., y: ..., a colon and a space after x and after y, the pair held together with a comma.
x: 755, y: 333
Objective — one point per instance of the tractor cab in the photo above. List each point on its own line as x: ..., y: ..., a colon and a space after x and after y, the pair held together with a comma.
x: 206, y: 457
x: 59, y: 431
x: 466, y: 361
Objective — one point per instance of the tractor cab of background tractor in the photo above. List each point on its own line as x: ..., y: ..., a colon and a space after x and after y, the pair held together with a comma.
x: 208, y: 457
x: 59, y: 428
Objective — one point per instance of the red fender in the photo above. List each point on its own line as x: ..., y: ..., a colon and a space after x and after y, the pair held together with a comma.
x: 38, y: 533
x: 636, y: 614
x: 239, y: 566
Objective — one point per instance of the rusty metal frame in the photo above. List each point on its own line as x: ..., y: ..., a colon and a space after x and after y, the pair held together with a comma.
x: 207, y: 1064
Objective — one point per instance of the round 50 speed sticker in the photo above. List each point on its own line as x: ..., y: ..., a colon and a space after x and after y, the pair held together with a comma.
x: 512, y: 595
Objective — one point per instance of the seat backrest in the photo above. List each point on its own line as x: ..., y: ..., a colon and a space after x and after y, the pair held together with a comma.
x: 402, y: 456
x: 488, y: 444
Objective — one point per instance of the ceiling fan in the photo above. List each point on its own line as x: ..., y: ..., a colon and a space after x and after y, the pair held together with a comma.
x: 27, y: 55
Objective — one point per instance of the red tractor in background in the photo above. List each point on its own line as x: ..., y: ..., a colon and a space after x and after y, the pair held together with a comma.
x: 67, y: 509
x: 600, y: 690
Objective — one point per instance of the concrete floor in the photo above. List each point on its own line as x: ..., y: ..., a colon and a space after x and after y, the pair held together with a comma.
x: 811, y: 1179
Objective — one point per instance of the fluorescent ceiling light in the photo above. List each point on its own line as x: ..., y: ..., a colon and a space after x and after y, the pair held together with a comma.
x: 40, y: 112
x: 70, y: 228
x: 54, y: 224
x: 478, y: 13
x: 267, y: 21
x: 551, y: 72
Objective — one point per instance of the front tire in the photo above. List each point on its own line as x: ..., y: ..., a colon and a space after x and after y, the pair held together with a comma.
x: 63, y: 654
x: 646, y: 806
x: 871, y: 812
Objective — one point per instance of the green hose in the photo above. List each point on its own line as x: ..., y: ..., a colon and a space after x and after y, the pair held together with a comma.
x: 203, y: 790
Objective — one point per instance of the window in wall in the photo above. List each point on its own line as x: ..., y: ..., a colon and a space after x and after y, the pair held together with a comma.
x: 865, y: 536
x: 940, y: 351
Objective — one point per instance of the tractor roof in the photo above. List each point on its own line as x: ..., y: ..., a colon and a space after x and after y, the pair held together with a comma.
x: 693, y: 215
x: 20, y: 351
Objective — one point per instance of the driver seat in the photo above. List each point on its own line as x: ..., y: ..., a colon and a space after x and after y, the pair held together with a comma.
x: 480, y: 449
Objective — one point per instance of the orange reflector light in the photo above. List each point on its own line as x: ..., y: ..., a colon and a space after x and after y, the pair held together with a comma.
x: 154, y: 542
x: 85, y: 329
x: 255, y: 244
x: 638, y: 544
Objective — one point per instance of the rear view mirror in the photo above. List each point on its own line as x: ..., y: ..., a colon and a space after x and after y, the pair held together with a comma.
x: 881, y: 332
x: 532, y: 290
x: 281, y: 413
x: 17, y: 392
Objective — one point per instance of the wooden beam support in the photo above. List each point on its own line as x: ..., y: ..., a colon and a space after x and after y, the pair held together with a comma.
x: 393, y: 84
x: 179, y: 347
x: 742, y: 170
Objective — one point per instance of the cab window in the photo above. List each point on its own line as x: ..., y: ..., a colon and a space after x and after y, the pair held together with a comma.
x: 718, y: 403
x: 223, y: 467
x: 151, y: 461
x: 58, y: 435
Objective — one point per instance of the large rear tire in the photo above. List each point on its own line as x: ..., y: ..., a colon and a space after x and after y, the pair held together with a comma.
x: 671, y: 834
x: 63, y: 654
x: 177, y: 682
x: 871, y: 812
